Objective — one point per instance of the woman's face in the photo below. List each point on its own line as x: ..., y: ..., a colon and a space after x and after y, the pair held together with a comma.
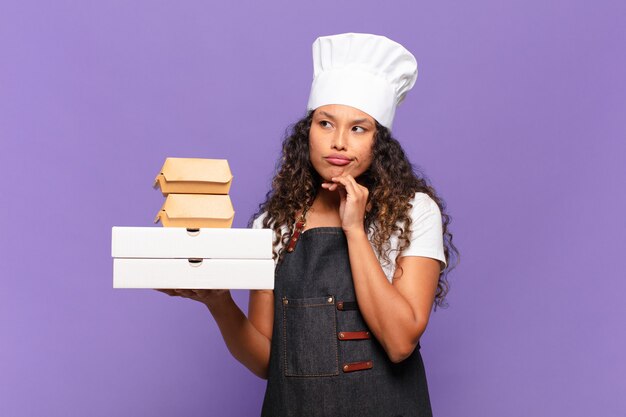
x: 341, y: 140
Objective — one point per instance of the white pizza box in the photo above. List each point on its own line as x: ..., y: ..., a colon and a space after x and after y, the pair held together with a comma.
x: 180, y: 242
x: 253, y: 274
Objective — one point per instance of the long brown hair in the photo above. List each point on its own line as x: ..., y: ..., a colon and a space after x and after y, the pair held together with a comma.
x: 391, y: 180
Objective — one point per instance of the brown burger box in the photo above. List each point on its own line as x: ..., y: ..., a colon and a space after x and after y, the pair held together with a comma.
x: 194, y: 211
x: 194, y: 176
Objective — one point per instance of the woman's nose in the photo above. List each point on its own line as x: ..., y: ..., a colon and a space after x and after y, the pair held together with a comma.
x: 339, y: 139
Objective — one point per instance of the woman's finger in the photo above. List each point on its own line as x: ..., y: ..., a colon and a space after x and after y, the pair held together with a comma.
x: 343, y: 194
x: 350, y: 185
x: 185, y: 292
x: 169, y: 292
x: 330, y: 186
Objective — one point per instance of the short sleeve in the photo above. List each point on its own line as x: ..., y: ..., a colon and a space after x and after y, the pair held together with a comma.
x: 258, y: 224
x: 427, y: 229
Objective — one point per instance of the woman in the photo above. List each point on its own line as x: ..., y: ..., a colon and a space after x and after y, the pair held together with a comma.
x: 360, y: 247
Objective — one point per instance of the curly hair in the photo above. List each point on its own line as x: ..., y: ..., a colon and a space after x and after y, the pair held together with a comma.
x: 391, y: 180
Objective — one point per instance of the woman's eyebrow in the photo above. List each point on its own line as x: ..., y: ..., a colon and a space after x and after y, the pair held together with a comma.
x: 360, y: 121
x: 330, y: 116
x: 355, y: 121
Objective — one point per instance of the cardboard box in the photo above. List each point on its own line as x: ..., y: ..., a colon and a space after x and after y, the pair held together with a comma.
x: 196, y: 211
x: 194, y: 176
x: 179, y: 242
x: 193, y: 273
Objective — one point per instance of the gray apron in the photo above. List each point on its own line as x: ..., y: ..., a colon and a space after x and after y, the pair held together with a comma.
x: 323, y: 359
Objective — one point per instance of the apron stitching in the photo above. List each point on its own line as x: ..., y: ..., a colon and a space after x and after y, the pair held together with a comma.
x: 336, y: 372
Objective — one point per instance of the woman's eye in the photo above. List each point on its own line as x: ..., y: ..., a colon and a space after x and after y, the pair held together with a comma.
x: 359, y: 127
x: 323, y: 123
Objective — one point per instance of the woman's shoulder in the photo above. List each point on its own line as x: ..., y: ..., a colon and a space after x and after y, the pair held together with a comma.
x: 421, y: 204
x: 258, y: 222
x: 421, y: 197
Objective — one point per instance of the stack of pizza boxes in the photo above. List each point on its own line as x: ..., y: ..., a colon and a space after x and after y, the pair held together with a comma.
x: 196, y: 248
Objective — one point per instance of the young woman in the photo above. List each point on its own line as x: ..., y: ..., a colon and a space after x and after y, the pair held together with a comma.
x: 361, y: 249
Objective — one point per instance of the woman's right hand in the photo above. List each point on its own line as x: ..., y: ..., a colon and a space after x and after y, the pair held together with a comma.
x: 209, y: 298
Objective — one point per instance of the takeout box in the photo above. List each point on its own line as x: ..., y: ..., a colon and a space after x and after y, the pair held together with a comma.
x: 196, y: 211
x: 205, y: 258
x: 180, y: 242
x: 194, y: 176
x: 236, y: 274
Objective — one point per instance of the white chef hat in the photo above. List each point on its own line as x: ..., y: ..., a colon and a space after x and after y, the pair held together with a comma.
x: 369, y: 72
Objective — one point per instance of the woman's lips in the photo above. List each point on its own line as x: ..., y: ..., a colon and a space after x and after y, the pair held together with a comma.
x: 337, y: 161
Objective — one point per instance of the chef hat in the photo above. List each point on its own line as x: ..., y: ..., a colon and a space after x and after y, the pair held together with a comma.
x: 369, y: 72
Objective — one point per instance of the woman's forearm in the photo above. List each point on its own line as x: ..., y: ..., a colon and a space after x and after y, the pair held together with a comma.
x: 243, y: 340
x: 387, y: 313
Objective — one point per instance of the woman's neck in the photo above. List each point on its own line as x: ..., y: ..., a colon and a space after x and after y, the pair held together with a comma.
x: 325, y: 210
x: 326, y: 200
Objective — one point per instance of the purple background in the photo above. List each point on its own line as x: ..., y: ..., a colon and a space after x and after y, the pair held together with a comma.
x: 517, y: 117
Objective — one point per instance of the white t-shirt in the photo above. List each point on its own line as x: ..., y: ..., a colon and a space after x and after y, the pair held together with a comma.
x: 426, y: 239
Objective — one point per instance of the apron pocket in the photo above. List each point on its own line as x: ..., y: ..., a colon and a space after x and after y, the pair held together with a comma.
x: 310, y: 336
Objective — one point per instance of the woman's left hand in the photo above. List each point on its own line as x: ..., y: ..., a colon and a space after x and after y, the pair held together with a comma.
x: 353, y: 201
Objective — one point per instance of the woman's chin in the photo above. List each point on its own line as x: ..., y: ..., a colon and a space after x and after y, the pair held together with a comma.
x: 328, y: 174
x: 337, y: 171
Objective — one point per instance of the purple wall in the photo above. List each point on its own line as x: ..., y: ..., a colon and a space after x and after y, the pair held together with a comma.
x: 517, y: 117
